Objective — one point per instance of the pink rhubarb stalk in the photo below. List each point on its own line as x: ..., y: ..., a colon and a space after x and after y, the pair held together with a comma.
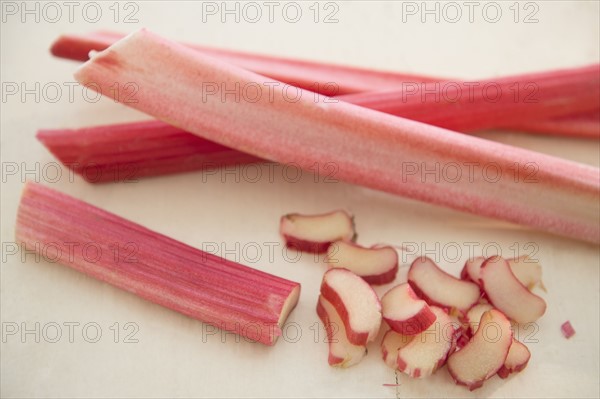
x: 127, y: 151
x: 200, y: 285
x: 369, y: 148
x: 339, y: 80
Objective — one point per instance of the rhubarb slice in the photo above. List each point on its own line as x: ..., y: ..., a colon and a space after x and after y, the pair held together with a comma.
x: 128, y: 151
x: 528, y: 272
x: 517, y: 359
x: 428, y: 351
x: 506, y: 293
x: 368, y: 147
x: 404, y: 312
x: 439, y: 288
x: 109, y: 248
x: 474, y: 315
x: 391, y: 343
x: 342, y: 353
x: 485, y: 354
x: 376, y: 265
x: 355, y: 302
x: 315, y: 233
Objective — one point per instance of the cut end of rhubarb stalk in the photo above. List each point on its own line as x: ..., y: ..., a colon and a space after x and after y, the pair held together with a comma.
x: 356, y: 303
x: 315, y: 233
x: 506, y: 293
x: 342, y: 353
x: 517, y: 359
x: 404, y: 312
x: 197, y: 284
x: 428, y: 351
x: 485, y: 354
x: 439, y: 288
x: 376, y: 265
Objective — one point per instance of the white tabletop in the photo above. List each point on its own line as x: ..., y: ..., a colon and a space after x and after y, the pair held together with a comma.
x: 173, y: 356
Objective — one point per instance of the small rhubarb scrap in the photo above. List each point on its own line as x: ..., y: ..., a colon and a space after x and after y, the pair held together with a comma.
x: 109, y: 248
x: 342, y: 353
x: 567, y: 329
x: 315, y: 233
x: 370, y: 148
x: 376, y: 265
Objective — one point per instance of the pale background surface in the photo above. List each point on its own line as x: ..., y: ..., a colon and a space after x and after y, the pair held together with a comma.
x: 171, y: 358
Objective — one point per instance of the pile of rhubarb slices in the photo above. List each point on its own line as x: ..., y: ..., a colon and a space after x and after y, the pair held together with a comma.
x: 433, y: 319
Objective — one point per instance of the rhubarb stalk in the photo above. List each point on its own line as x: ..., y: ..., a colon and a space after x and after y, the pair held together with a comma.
x: 369, y: 148
x: 109, y: 248
x: 127, y: 151
x: 333, y: 80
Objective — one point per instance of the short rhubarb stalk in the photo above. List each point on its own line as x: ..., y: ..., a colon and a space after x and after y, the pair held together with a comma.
x: 200, y: 285
x: 369, y: 148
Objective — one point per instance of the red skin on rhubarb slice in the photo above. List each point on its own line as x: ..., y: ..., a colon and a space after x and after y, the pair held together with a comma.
x: 197, y: 284
x: 355, y: 302
x: 376, y: 146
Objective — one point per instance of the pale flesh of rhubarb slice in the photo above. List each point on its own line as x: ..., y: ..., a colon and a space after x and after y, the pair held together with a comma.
x: 485, y: 353
x: 474, y: 315
x: 440, y: 288
x: 315, y: 233
x: 200, y: 285
x: 404, y: 312
x: 376, y: 265
x: 355, y: 302
x: 506, y: 293
x: 342, y: 353
x: 368, y: 147
x: 516, y: 361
